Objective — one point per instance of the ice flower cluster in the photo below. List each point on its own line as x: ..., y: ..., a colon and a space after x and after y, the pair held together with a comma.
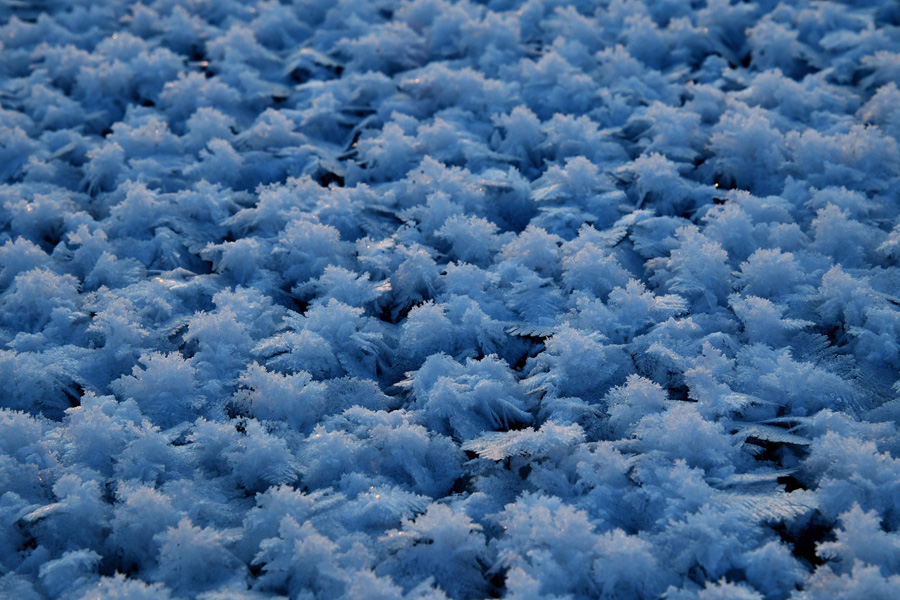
x: 428, y: 299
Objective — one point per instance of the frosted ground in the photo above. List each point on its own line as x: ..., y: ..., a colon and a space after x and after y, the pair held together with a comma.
x: 429, y: 299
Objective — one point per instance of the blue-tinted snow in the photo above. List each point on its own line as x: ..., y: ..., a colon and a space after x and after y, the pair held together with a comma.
x: 427, y: 299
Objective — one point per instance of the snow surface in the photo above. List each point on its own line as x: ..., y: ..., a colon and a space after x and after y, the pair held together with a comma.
x: 427, y: 299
